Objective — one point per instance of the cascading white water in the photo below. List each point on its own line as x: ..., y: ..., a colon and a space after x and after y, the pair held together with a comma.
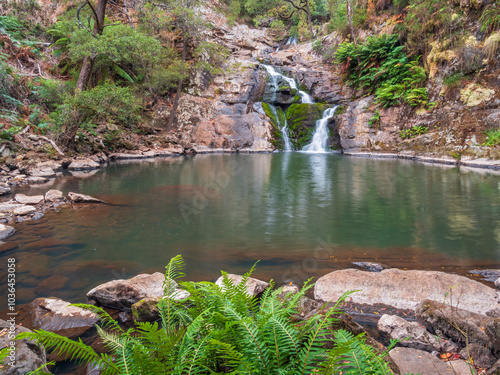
x: 306, y: 98
x: 320, y: 135
x: 292, y: 40
x: 284, y: 130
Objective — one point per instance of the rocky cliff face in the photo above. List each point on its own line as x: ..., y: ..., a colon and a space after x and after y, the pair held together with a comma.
x: 220, y: 113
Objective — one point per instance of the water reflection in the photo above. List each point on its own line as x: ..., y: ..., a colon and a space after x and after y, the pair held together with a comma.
x: 227, y: 211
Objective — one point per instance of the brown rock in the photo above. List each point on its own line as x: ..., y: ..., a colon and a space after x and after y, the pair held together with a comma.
x: 53, y: 195
x: 83, y: 164
x: 122, y: 294
x: 24, y: 199
x: 82, y: 198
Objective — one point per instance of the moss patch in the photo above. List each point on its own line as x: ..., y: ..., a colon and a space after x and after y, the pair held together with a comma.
x: 301, y: 120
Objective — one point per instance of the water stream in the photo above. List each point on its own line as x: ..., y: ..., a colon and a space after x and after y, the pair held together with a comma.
x: 284, y: 130
x: 306, y: 98
x: 320, y: 135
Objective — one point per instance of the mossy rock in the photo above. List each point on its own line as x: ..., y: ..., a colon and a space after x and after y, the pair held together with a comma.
x: 302, y: 119
x: 146, y: 310
x: 277, y: 120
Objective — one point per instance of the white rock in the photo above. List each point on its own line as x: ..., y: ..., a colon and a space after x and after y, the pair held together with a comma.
x: 6, y: 231
x: 41, y: 171
x: 53, y: 195
x: 25, y: 199
x: 24, y: 210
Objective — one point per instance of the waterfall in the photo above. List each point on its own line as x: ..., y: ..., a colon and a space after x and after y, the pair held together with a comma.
x: 320, y: 135
x: 292, y: 40
x: 284, y: 130
x: 306, y: 98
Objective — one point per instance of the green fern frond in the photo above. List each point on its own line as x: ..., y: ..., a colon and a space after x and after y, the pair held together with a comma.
x: 106, y: 319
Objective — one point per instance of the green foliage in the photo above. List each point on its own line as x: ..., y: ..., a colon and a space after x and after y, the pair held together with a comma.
x: 490, y: 19
x: 493, y: 137
x: 223, y: 330
x: 413, y: 132
x: 12, y: 27
x: 375, y: 119
x: 104, y: 103
x: 384, y: 68
x: 453, y: 79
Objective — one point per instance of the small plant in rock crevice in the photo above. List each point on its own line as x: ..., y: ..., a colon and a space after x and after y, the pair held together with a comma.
x: 413, y: 132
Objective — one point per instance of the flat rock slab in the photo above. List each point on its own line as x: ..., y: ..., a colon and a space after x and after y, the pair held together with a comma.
x: 405, y: 289
x: 24, y: 210
x: 53, y: 195
x: 82, y: 198
x: 6, y: 231
x: 413, y: 361
x: 9, y: 208
x: 123, y: 156
x: 122, y: 294
x: 56, y: 315
x: 83, y: 165
x: 254, y: 286
x: 25, y: 199
x: 29, y: 356
x: 41, y: 171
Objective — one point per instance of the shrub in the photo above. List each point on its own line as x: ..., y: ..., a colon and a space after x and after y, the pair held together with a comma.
x: 493, y: 137
x: 413, y: 132
x: 223, y: 330
x: 385, y: 69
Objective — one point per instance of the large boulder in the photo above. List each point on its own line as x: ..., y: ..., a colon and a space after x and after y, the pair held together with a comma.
x: 412, y: 334
x: 254, y: 286
x: 41, y: 171
x: 122, y: 294
x: 28, y: 355
x: 406, y: 289
x: 53, y: 195
x: 56, y: 315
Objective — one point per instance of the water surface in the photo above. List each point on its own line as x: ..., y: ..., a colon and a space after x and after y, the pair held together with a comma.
x: 301, y: 215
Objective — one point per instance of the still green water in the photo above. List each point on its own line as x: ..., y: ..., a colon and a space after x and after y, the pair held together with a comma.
x: 301, y: 215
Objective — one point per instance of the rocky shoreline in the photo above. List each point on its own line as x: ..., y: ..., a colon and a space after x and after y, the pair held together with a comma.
x: 445, y: 323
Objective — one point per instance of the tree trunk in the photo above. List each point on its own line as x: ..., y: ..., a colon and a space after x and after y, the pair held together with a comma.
x: 88, y: 62
x: 309, y: 21
x: 349, y: 17
x: 179, y: 86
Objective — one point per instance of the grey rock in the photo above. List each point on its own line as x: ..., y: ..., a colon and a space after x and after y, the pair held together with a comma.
x: 412, y: 334
x: 122, y: 294
x: 257, y: 107
x: 25, y: 199
x: 406, y: 289
x: 452, y: 322
x: 82, y: 198
x: 413, y: 361
x: 488, y: 274
x: 6, y: 231
x: 371, y: 266
x: 36, y: 180
x: 83, y: 164
x: 479, y: 354
x: 254, y: 286
x: 56, y: 315
x: 29, y: 355
x: 9, y: 207
x: 53, y: 195
x: 4, y: 189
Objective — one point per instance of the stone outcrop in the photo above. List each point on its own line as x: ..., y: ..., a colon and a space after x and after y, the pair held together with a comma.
x: 122, y: 294
x: 254, y: 286
x: 83, y: 164
x: 25, y: 199
x: 406, y: 289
